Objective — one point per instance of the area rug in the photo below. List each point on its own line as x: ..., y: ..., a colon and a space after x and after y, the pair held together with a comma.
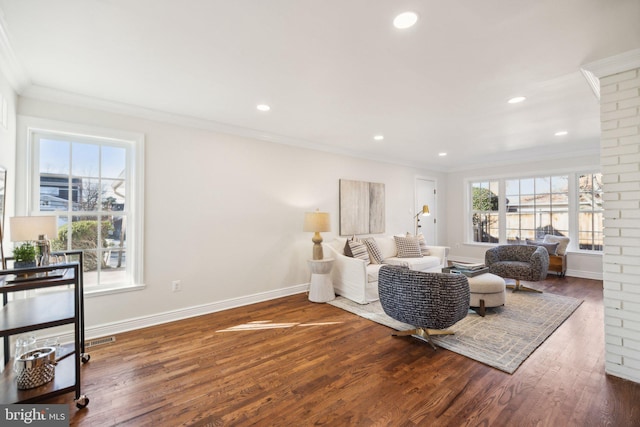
x: 503, y: 339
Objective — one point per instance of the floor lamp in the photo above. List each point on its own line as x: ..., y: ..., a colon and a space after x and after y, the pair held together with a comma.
x: 423, y: 212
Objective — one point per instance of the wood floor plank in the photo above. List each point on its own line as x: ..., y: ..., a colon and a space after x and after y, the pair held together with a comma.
x: 314, y: 364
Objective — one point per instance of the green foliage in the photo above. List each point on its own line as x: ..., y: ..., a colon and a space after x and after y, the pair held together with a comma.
x: 84, y: 235
x: 26, y: 252
x: 484, y: 200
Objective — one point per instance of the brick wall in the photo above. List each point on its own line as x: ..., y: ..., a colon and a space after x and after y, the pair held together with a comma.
x: 620, y: 159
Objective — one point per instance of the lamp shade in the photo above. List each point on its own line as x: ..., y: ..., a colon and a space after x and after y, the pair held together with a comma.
x: 316, y: 221
x: 26, y: 228
x: 425, y: 210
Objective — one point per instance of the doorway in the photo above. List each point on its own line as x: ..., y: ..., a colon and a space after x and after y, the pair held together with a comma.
x: 426, y: 195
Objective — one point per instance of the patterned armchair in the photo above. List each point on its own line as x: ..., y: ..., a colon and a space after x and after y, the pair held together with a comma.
x: 429, y: 301
x: 519, y: 262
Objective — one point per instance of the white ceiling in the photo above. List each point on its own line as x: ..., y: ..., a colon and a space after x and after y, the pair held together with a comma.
x: 336, y: 72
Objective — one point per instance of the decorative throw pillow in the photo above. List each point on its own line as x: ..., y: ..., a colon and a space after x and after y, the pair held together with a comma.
x: 375, y: 255
x: 407, y: 247
x: 550, y: 247
x: 424, y: 250
x: 347, y: 248
x: 562, y: 240
x: 423, y: 245
x: 358, y: 250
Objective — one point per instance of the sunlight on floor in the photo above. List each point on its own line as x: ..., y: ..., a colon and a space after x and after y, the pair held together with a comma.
x: 266, y: 324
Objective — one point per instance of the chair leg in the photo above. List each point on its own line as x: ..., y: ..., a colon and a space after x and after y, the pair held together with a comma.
x: 424, y: 333
x: 519, y: 287
x: 481, y: 310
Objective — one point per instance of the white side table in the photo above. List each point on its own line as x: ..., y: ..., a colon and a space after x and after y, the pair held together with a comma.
x: 321, y: 286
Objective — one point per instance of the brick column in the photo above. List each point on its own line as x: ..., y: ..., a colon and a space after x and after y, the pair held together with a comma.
x: 620, y: 160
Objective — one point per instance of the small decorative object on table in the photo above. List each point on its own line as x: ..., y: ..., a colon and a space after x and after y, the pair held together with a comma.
x: 36, y: 367
x: 469, y: 270
x: 24, y: 256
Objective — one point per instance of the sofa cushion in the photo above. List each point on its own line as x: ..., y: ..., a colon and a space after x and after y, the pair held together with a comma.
x: 407, y: 247
x: 372, y: 272
x: 550, y: 247
x: 563, y: 242
x: 423, y: 245
x: 420, y: 264
x: 375, y: 255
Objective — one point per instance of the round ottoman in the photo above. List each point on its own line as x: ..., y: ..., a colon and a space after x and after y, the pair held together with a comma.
x: 487, y: 290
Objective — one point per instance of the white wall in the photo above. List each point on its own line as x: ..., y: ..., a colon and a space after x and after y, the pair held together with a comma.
x: 223, y: 214
x: 579, y: 264
x: 7, y: 138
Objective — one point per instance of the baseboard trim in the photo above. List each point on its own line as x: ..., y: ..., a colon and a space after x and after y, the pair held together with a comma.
x: 127, y: 325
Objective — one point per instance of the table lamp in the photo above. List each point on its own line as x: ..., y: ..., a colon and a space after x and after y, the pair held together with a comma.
x: 35, y: 229
x: 316, y: 222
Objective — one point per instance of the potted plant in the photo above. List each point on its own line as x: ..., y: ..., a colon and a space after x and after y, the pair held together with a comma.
x: 24, y: 256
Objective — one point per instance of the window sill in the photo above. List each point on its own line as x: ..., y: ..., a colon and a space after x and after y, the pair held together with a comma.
x: 100, y: 291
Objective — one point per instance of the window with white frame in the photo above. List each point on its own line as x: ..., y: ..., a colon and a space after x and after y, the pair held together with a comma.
x: 536, y: 206
x: 590, y: 211
x: 515, y: 209
x: 484, y: 211
x: 92, y: 183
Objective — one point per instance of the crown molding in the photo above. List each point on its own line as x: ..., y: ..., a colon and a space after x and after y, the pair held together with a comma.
x: 9, y: 63
x: 594, y: 71
x: 67, y: 98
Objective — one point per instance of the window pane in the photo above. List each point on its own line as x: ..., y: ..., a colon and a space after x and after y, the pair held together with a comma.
x: 526, y: 186
x: 113, y: 162
x: 112, y: 195
x: 543, y: 185
x: 85, y: 160
x: 54, y: 192
x: 89, y: 195
x: 54, y: 156
x: 559, y: 184
x: 512, y: 187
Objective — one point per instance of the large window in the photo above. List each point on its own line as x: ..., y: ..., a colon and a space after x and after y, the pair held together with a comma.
x: 92, y: 184
x: 536, y: 206
x: 513, y: 210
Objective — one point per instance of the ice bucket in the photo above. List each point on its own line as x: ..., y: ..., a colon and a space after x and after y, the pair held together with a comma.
x: 35, y: 367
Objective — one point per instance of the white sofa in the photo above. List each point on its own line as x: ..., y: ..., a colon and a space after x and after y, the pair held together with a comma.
x: 354, y: 279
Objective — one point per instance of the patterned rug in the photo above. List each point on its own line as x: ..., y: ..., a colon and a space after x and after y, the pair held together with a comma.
x: 503, y: 339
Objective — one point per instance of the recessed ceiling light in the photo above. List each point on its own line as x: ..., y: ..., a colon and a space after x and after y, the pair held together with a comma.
x: 561, y: 133
x: 405, y: 20
x: 378, y: 137
x: 516, y: 99
x: 442, y: 154
x: 263, y: 107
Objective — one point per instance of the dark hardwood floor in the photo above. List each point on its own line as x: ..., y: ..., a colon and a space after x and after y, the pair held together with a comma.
x: 325, y: 366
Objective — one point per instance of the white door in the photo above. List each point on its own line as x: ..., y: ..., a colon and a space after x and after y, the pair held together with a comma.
x: 426, y: 195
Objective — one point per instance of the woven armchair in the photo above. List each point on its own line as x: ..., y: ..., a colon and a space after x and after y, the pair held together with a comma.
x: 519, y: 262
x: 430, y: 302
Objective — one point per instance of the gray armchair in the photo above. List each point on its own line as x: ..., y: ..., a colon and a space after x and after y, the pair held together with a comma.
x: 429, y: 301
x: 519, y: 262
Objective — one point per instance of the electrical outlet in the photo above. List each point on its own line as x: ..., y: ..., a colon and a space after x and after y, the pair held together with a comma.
x: 176, y: 286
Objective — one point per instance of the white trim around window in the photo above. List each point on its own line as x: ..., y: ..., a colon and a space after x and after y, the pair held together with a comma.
x: 27, y: 172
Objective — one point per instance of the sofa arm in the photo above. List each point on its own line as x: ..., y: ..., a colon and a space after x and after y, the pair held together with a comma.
x: 540, y: 263
x: 441, y: 252
x: 349, y: 275
x: 491, y: 256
